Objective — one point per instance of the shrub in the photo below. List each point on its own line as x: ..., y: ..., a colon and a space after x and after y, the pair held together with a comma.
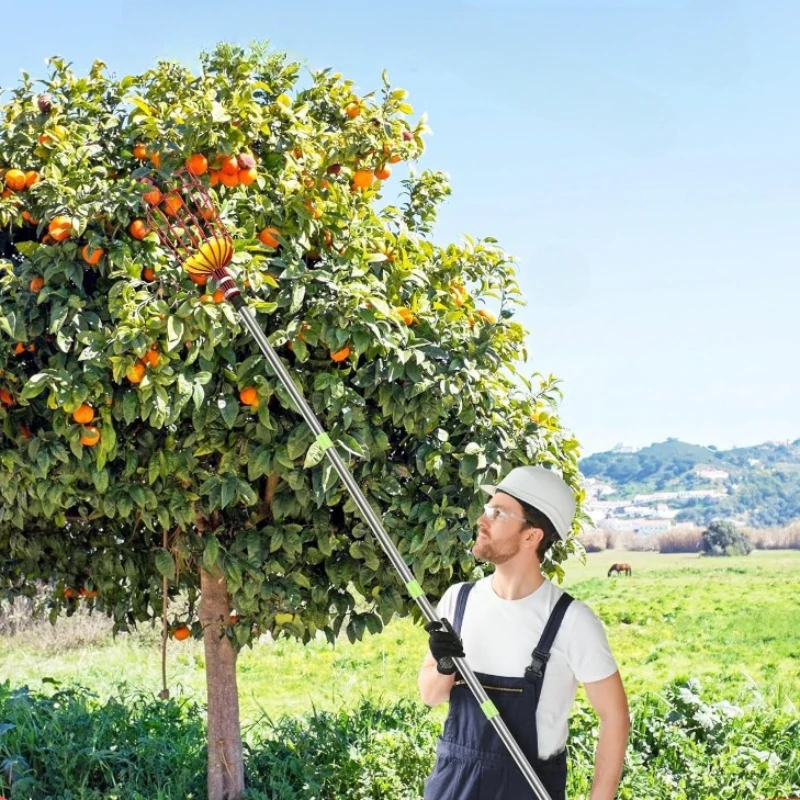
x: 724, y: 539
x: 683, y: 539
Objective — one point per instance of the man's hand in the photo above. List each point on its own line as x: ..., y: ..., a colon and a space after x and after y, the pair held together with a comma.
x: 445, y: 645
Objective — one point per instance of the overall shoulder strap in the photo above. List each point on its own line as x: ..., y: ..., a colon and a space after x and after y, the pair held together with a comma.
x: 541, y: 653
x: 461, y: 604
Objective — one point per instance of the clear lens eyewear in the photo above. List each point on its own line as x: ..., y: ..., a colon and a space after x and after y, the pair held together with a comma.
x: 495, y: 512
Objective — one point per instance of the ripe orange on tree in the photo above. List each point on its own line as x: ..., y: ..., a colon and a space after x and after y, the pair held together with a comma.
x: 92, y: 256
x: 267, y: 237
x: 487, y: 316
x: 199, y: 279
x: 406, y: 314
x: 247, y: 176
x: 148, y: 274
x: 229, y: 179
x: 219, y: 296
x: 15, y: 180
x: 136, y: 372
x: 31, y: 177
x: 383, y: 173
x: 363, y: 178
x: 90, y: 436
x: 83, y: 414
x: 151, y: 357
x: 340, y: 355
x: 28, y: 217
x: 197, y: 164
x: 181, y: 633
x: 153, y: 196
x: 155, y: 159
x: 352, y: 109
x: 6, y: 398
x: 229, y: 165
x: 36, y: 284
x: 138, y: 229
x: 60, y: 228
x: 140, y: 152
x: 249, y: 396
x: 173, y: 203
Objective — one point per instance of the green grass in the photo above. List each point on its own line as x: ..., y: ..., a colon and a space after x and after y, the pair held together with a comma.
x: 729, y: 622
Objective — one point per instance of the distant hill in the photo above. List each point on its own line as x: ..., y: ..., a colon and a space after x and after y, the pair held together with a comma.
x: 762, y: 487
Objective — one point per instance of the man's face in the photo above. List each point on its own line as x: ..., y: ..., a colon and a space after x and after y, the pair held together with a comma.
x: 500, y: 539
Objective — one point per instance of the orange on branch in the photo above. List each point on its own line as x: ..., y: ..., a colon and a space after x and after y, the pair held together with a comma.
x: 92, y: 256
x: 90, y: 436
x: 197, y: 164
x: 83, y: 414
x: 138, y: 229
x: 267, y: 237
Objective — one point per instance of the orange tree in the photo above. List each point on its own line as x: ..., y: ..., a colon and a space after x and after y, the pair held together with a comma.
x: 147, y: 452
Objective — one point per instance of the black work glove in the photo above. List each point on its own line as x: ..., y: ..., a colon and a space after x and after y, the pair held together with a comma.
x: 445, y: 645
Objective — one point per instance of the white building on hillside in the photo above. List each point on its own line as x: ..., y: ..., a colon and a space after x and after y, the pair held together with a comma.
x: 711, y: 473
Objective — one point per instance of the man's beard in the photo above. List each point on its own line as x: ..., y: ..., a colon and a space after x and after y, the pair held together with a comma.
x: 485, y: 550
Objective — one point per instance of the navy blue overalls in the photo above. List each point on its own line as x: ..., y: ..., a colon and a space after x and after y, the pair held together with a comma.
x: 472, y: 762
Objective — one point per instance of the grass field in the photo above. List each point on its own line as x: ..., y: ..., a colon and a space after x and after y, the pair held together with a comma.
x: 731, y: 622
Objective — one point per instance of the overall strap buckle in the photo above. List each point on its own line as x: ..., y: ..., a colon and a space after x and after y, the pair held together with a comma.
x: 536, y: 669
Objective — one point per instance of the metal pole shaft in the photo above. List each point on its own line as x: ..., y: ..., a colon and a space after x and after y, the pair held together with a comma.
x: 249, y: 319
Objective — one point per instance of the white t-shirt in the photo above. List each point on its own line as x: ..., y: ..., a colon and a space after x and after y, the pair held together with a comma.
x: 499, y: 637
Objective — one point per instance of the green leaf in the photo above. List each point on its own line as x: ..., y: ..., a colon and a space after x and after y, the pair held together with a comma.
x: 174, y: 333
x: 165, y: 564
x: 229, y: 408
x: 314, y: 455
x: 211, y: 552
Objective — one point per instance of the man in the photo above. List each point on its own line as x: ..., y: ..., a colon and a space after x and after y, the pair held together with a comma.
x: 501, y: 619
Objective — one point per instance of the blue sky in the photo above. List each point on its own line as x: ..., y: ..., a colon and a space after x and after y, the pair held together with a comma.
x: 639, y: 158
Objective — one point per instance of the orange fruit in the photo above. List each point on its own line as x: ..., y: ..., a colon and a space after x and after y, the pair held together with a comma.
x: 44, y: 138
x: 92, y: 256
x: 229, y: 179
x: 148, y: 274
x: 36, y: 284
x: 31, y: 177
x: 25, y: 431
x: 213, y: 176
x: 207, y: 211
x: 151, y: 358
x: 138, y: 229
x: 136, y: 372
x: 15, y: 180
x: 247, y: 176
x: 395, y: 159
x: 173, y: 204
x: 229, y: 165
x: 234, y: 618
x: 28, y: 217
x: 60, y: 228
x: 90, y: 436
x: 383, y: 173
x: 487, y: 315
x: 352, y: 110
x: 83, y: 414
x: 200, y: 280
x: 140, y: 152
x: 219, y: 296
x: 155, y: 159
x: 249, y: 396
x: 153, y: 196
x: 197, y: 164
x: 181, y: 633
x: 267, y: 237
x: 70, y: 593
x: 6, y: 398
x: 19, y: 349
x: 340, y: 355
x: 206, y: 298
x: 313, y: 209
x: 406, y: 314
x: 363, y: 178
x: 88, y: 595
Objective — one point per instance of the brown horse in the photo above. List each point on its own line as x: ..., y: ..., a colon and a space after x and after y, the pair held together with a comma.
x: 620, y: 568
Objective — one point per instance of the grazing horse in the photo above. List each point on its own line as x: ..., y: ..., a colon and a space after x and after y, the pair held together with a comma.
x: 620, y: 568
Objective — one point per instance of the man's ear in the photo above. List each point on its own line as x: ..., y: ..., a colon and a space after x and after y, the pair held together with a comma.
x: 533, y: 536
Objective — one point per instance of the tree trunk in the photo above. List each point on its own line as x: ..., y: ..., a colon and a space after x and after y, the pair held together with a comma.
x: 225, y: 761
